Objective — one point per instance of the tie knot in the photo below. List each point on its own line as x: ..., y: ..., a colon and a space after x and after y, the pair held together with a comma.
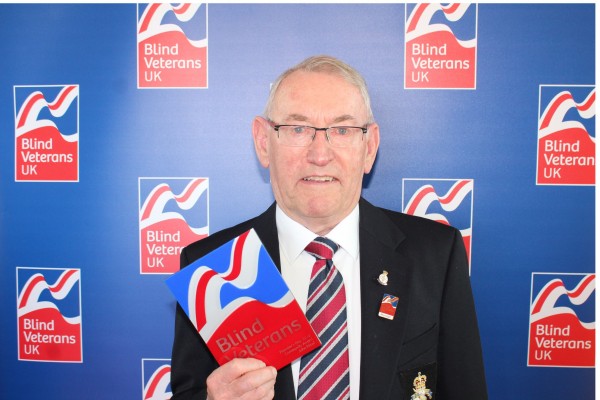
x: 322, y: 248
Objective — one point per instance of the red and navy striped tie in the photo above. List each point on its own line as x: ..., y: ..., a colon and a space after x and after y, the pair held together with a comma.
x: 325, y: 372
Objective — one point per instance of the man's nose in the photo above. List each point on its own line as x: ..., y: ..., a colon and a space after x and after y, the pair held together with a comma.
x: 319, y: 151
x: 325, y: 136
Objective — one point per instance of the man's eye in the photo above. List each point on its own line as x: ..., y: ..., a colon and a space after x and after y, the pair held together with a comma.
x: 341, y: 131
x: 298, y: 130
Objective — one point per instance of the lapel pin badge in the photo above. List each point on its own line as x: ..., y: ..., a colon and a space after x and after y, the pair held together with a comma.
x: 420, y: 388
x: 383, y: 278
x: 387, y: 308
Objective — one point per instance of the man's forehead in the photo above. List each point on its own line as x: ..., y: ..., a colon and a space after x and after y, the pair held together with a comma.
x: 303, y: 94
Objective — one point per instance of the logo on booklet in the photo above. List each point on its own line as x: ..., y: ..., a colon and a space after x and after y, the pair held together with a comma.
x: 440, y: 46
x: 448, y: 201
x: 561, y: 320
x: 47, y: 133
x: 156, y: 379
x: 172, y: 45
x: 173, y: 214
x: 49, y: 314
x: 240, y: 305
x: 566, y: 135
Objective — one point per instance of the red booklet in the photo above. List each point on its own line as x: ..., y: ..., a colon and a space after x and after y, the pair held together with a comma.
x: 241, y: 306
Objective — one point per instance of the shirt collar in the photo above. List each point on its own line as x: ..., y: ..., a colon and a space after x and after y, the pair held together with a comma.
x: 294, y: 237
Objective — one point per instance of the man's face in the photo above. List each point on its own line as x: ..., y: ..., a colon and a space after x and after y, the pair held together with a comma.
x: 318, y: 185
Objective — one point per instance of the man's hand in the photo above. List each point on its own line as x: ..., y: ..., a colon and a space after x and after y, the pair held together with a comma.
x: 242, y: 378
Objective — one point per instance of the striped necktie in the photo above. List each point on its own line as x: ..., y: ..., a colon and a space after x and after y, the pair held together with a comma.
x: 325, y: 372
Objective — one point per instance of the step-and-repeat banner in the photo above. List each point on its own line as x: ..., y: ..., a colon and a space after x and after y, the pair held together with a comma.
x: 125, y: 135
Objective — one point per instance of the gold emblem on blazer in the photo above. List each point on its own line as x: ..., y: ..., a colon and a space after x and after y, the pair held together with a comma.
x: 420, y: 388
x: 383, y: 278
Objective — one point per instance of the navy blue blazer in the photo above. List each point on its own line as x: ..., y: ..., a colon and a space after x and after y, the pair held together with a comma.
x: 434, y: 332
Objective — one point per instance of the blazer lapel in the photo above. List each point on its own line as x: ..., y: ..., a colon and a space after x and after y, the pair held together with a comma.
x: 380, y: 337
x: 266, y: 229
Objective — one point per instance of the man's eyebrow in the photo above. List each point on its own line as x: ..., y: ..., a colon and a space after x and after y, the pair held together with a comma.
x: 343, y: 118
x: 297, y: 117
x: 303, y: 118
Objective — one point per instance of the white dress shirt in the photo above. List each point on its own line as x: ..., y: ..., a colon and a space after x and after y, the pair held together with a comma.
x: 296, y: 268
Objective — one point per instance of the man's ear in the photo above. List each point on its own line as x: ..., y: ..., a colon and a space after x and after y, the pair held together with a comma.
x: 260, y: 134
x: 372, y: 138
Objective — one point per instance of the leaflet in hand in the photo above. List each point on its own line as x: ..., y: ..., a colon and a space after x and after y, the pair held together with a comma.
x: 241, y: 306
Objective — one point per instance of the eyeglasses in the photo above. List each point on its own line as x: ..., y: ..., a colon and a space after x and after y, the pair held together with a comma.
x: 302, y: 135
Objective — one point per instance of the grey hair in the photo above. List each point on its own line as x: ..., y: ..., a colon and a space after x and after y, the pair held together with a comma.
x: 325, y: 64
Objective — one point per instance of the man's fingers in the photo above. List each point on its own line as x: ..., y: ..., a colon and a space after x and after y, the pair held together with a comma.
x: 240, y: 366
x: 266, y: 391
x: 254, y: 381
x: 256, y: 384
x: 242, y: 379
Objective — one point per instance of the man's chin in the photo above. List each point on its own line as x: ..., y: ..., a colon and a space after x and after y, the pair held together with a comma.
x: 324, y: 210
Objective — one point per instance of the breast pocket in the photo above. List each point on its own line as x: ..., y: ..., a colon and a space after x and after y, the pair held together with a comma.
x: 419, y: 349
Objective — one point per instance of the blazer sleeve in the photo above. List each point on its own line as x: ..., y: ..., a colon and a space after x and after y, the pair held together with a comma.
x: 460, y: 360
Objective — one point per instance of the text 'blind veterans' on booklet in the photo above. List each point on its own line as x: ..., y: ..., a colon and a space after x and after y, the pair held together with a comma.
x: 241, y: 306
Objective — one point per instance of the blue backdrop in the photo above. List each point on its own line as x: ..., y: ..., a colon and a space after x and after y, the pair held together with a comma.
x: 488, y: 134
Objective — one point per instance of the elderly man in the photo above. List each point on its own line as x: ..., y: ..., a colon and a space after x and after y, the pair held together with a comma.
x: 318, y: 138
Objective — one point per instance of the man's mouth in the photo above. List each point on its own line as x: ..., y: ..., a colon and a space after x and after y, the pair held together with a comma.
x: 319, y: 179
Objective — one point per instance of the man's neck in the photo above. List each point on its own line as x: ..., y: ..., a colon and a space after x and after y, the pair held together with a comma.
x: 320, y: 226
